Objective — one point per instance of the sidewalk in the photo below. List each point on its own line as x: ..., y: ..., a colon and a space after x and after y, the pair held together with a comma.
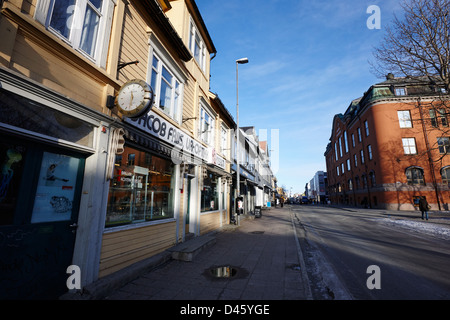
x: 260, y: 256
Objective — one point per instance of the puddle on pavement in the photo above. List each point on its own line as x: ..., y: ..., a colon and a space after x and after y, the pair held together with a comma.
x: 225, y: 272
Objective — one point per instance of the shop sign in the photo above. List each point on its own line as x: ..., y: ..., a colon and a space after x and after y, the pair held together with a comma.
x: 216, y: 159
x: 155, y: 125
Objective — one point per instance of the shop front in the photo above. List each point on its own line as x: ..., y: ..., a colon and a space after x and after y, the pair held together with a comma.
x: 142, y: 203
x: 46, y: 152
x: 215, y: 196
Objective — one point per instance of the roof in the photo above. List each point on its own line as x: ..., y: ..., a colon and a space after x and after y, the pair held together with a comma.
x: 415, y: 86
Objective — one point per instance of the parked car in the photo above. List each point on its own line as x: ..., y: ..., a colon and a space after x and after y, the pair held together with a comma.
x: 304, y: 200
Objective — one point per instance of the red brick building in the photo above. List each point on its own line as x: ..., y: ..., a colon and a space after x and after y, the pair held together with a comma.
x: 392, y: 146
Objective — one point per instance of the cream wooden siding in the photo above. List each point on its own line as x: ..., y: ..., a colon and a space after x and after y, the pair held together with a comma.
x: 134, y: 46
x: 123, y: 248
x: 189, y: 106
x: 56, y: 71
x: 210, y: 222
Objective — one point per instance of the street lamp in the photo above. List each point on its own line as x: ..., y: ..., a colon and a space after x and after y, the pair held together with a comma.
x: 238, y: 62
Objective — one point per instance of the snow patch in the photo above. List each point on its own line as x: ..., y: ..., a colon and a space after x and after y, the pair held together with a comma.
x: 422, y: 226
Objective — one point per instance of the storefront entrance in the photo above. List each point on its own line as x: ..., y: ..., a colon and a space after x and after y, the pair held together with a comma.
x: 40, y: 189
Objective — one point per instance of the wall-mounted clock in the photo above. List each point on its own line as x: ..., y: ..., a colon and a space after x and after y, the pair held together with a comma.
x: 135, y: 97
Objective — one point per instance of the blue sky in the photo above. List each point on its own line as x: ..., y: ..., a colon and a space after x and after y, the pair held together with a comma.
x: 307, y: 61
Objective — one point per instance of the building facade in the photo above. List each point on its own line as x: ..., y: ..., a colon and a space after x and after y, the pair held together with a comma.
x: 318, y: 188
x: 390, y: 147
x: 89, y: 184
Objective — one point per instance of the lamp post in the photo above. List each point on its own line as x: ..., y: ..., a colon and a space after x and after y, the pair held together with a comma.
x: 238, y: 62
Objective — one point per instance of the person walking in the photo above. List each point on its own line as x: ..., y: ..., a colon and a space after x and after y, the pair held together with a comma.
x: 424, y: 207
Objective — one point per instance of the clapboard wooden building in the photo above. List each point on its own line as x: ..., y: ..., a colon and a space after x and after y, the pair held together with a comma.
x: 110, y: 140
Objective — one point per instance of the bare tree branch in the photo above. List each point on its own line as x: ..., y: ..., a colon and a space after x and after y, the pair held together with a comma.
x: 418, y: 43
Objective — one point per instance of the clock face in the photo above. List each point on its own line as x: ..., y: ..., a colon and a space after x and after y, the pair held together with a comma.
x: 134, y: 98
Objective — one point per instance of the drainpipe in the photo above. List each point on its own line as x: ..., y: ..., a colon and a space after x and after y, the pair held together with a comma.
x: 430, y: 160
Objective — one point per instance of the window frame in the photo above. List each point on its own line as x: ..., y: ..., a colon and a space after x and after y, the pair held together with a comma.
x: 203, y: 134
x: 155, y: 79
x: 366, y: 126
x: 445, y: 177
x: 43, y: 14
x: 404, y: 122
x: 223, y: 139
x: 400, y: 91
x: 193, y: 34
x: 369, y: 151
x: 411, y: 180
x: 409, y: 146
x: 444, y: 147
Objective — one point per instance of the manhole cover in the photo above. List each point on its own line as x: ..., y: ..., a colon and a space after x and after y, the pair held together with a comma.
x: 225, y: 272
x: 257, y: 232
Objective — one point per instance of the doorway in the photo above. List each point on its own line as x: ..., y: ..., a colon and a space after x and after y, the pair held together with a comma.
x: 40, y: 190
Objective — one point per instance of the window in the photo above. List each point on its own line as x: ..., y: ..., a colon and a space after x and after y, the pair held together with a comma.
x: 348, y: 165
x: 445, y: 174
x: 409, y: 145
x: 223, y: 139
x: 444, y: 145
x: 359, y: 135
x: 366, y: 125
x: 37, y: 185
x: 357, y: 183
x: 400, y: 91
x: 373, y: 182
x: 346, y: 141
x: 340, y: 147
x: 433, y: 118
x: 197, y: 46
x: 141, y: 190
x: 206, y: 125
x: 414, y: 176
x: 362, y: 156
x: 350, y: 184
x: 443, y: 116
x: 337, y: 170
x: 353, y: 140
x: 404, y: 118
x: 356, y: 160
x: 369, y: 151
x: 84, y: 24
x: 335, y: 150
x: 167, y: 88
x: 342, y: 168
x: 209, y: 200
x: 364, y: 181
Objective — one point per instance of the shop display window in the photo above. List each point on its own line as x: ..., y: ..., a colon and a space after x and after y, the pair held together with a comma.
x: 141, y: 190
x: 12, y: 158
x: 36, y: 185
x: 209, y: 200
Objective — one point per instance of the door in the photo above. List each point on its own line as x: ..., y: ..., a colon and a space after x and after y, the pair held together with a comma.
x: 40, y: 188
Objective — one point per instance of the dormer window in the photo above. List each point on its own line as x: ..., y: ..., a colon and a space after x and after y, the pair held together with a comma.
x: 400, y: 91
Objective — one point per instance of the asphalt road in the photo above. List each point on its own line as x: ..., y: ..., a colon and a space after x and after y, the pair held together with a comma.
x: 348, y: 252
